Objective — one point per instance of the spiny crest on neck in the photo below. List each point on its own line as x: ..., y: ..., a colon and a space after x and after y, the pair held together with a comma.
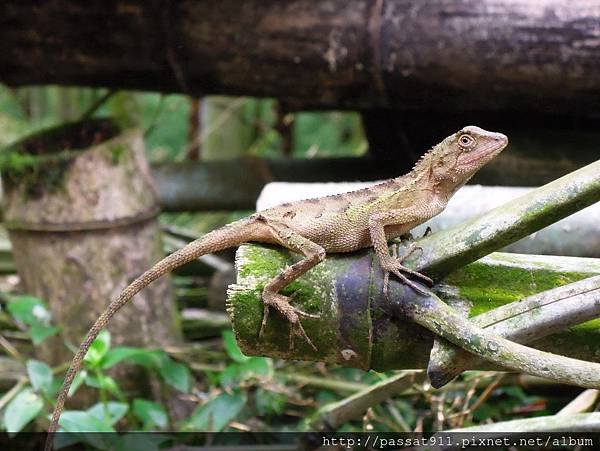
x: 423, y: 164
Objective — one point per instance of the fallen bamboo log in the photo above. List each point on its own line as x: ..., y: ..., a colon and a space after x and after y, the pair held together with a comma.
x: 449, y: 56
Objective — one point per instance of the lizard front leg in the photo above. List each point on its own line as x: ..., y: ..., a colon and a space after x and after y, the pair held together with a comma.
x: 389, y: 264
x: 272, y: 298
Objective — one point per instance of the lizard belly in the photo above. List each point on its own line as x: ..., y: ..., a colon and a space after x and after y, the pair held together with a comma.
x: 341, y: 239
x: 395, y: 230
x: 348, y: 242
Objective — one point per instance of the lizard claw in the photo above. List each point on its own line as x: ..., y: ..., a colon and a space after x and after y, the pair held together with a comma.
x: 394, y: 266
x: 297, y: 329
x: 305, y: 314
x: 291, y: 313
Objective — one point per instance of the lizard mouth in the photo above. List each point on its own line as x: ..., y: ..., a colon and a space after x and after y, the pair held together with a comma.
x: 491, y: 150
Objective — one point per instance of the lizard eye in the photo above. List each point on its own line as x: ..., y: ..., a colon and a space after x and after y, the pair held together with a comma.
x: 466, y: 141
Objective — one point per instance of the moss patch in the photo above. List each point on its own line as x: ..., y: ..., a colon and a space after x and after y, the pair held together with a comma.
x: 490, y: 283
x: 39, y: 162
x: 256, y: 266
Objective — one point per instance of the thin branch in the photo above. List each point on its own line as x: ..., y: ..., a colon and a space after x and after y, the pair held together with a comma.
x: 584, y: 402
x: 522, y: 321
x: 433, y: 314
x: 9, y: 395
x: 323, y: 383
x: 11, y: 350
x: 580, y: 422
x: 97, y: 104
x: 223, y: 116
x: 335, y: 414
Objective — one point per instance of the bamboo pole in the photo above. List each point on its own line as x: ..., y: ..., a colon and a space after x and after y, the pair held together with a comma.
x: 463, y: 55
x: 358, y: 326
x: 522, y: 321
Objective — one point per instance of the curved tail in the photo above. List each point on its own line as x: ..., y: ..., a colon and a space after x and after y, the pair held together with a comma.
x: 228, y: 236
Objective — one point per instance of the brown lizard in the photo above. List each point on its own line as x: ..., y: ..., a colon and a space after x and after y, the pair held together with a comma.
x: 340, y: 223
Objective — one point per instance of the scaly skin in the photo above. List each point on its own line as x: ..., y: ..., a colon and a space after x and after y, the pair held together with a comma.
x: 315, y: 227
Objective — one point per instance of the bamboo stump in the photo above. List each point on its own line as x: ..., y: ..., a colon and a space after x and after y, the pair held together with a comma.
x: 81, y: 208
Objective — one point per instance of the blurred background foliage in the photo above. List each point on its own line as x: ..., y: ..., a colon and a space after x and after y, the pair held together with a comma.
x: 166, y: 120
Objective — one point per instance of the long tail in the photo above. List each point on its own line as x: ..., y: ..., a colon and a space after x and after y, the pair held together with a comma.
x: 228, y: 236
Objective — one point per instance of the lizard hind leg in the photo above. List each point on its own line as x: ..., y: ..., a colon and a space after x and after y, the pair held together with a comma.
x: 314, y: 254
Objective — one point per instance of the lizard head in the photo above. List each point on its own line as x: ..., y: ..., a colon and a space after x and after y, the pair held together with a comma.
x: 454, y: 161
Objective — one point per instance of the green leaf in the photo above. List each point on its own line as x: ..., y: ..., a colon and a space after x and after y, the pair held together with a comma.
x: 109, y: 413
x: 216, y: 414
x: 28, y: 310
x: 40, y: 376
x: 79, y: 421
x: 149, y: 359
x: 256, y: 366
x: 98, y: 349
x: 515, y: 391
x: 230, y: 376
x: 485, y: 411
x: 135, y: 355
x: 150, y: 413
x: 22, y: 409
x: 253, y: 367
x: 77, y: 381
x: 269, y: 402
x: 175, y: 374
x: 231, y: 347
x: 104, y: 382
x: 39, y: 332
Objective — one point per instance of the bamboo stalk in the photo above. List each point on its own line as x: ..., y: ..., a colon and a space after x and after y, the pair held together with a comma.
x: 580, y: 422
x: 584, y: 402
x: 432, y: 313
x: 522, y: 321
x: 333, y: 415
x: 358, y: 326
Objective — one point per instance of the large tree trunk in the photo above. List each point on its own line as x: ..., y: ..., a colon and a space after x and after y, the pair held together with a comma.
x: 444, y: 54
x: 83, y: 224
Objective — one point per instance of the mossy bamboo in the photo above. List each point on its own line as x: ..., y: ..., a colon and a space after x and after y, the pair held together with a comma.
x: 522, y: 321
x: 358, y: 326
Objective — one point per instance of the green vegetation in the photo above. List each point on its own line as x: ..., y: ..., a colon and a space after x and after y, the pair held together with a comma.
x: 229, y: 386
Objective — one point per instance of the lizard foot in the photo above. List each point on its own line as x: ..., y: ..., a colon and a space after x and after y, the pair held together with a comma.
x: 394, y: 265
x: 397, y: 262
x: 282, y: 304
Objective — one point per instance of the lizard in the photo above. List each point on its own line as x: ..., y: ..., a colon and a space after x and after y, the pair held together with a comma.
x: 337, y: 223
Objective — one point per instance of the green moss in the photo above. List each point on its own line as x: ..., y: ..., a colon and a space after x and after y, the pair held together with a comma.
x: 36, y: 174
x: 38, y: 162
x: 16, y: 162
x: 261, y: 261
x: 256, y: 266
x: 489, y: 286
